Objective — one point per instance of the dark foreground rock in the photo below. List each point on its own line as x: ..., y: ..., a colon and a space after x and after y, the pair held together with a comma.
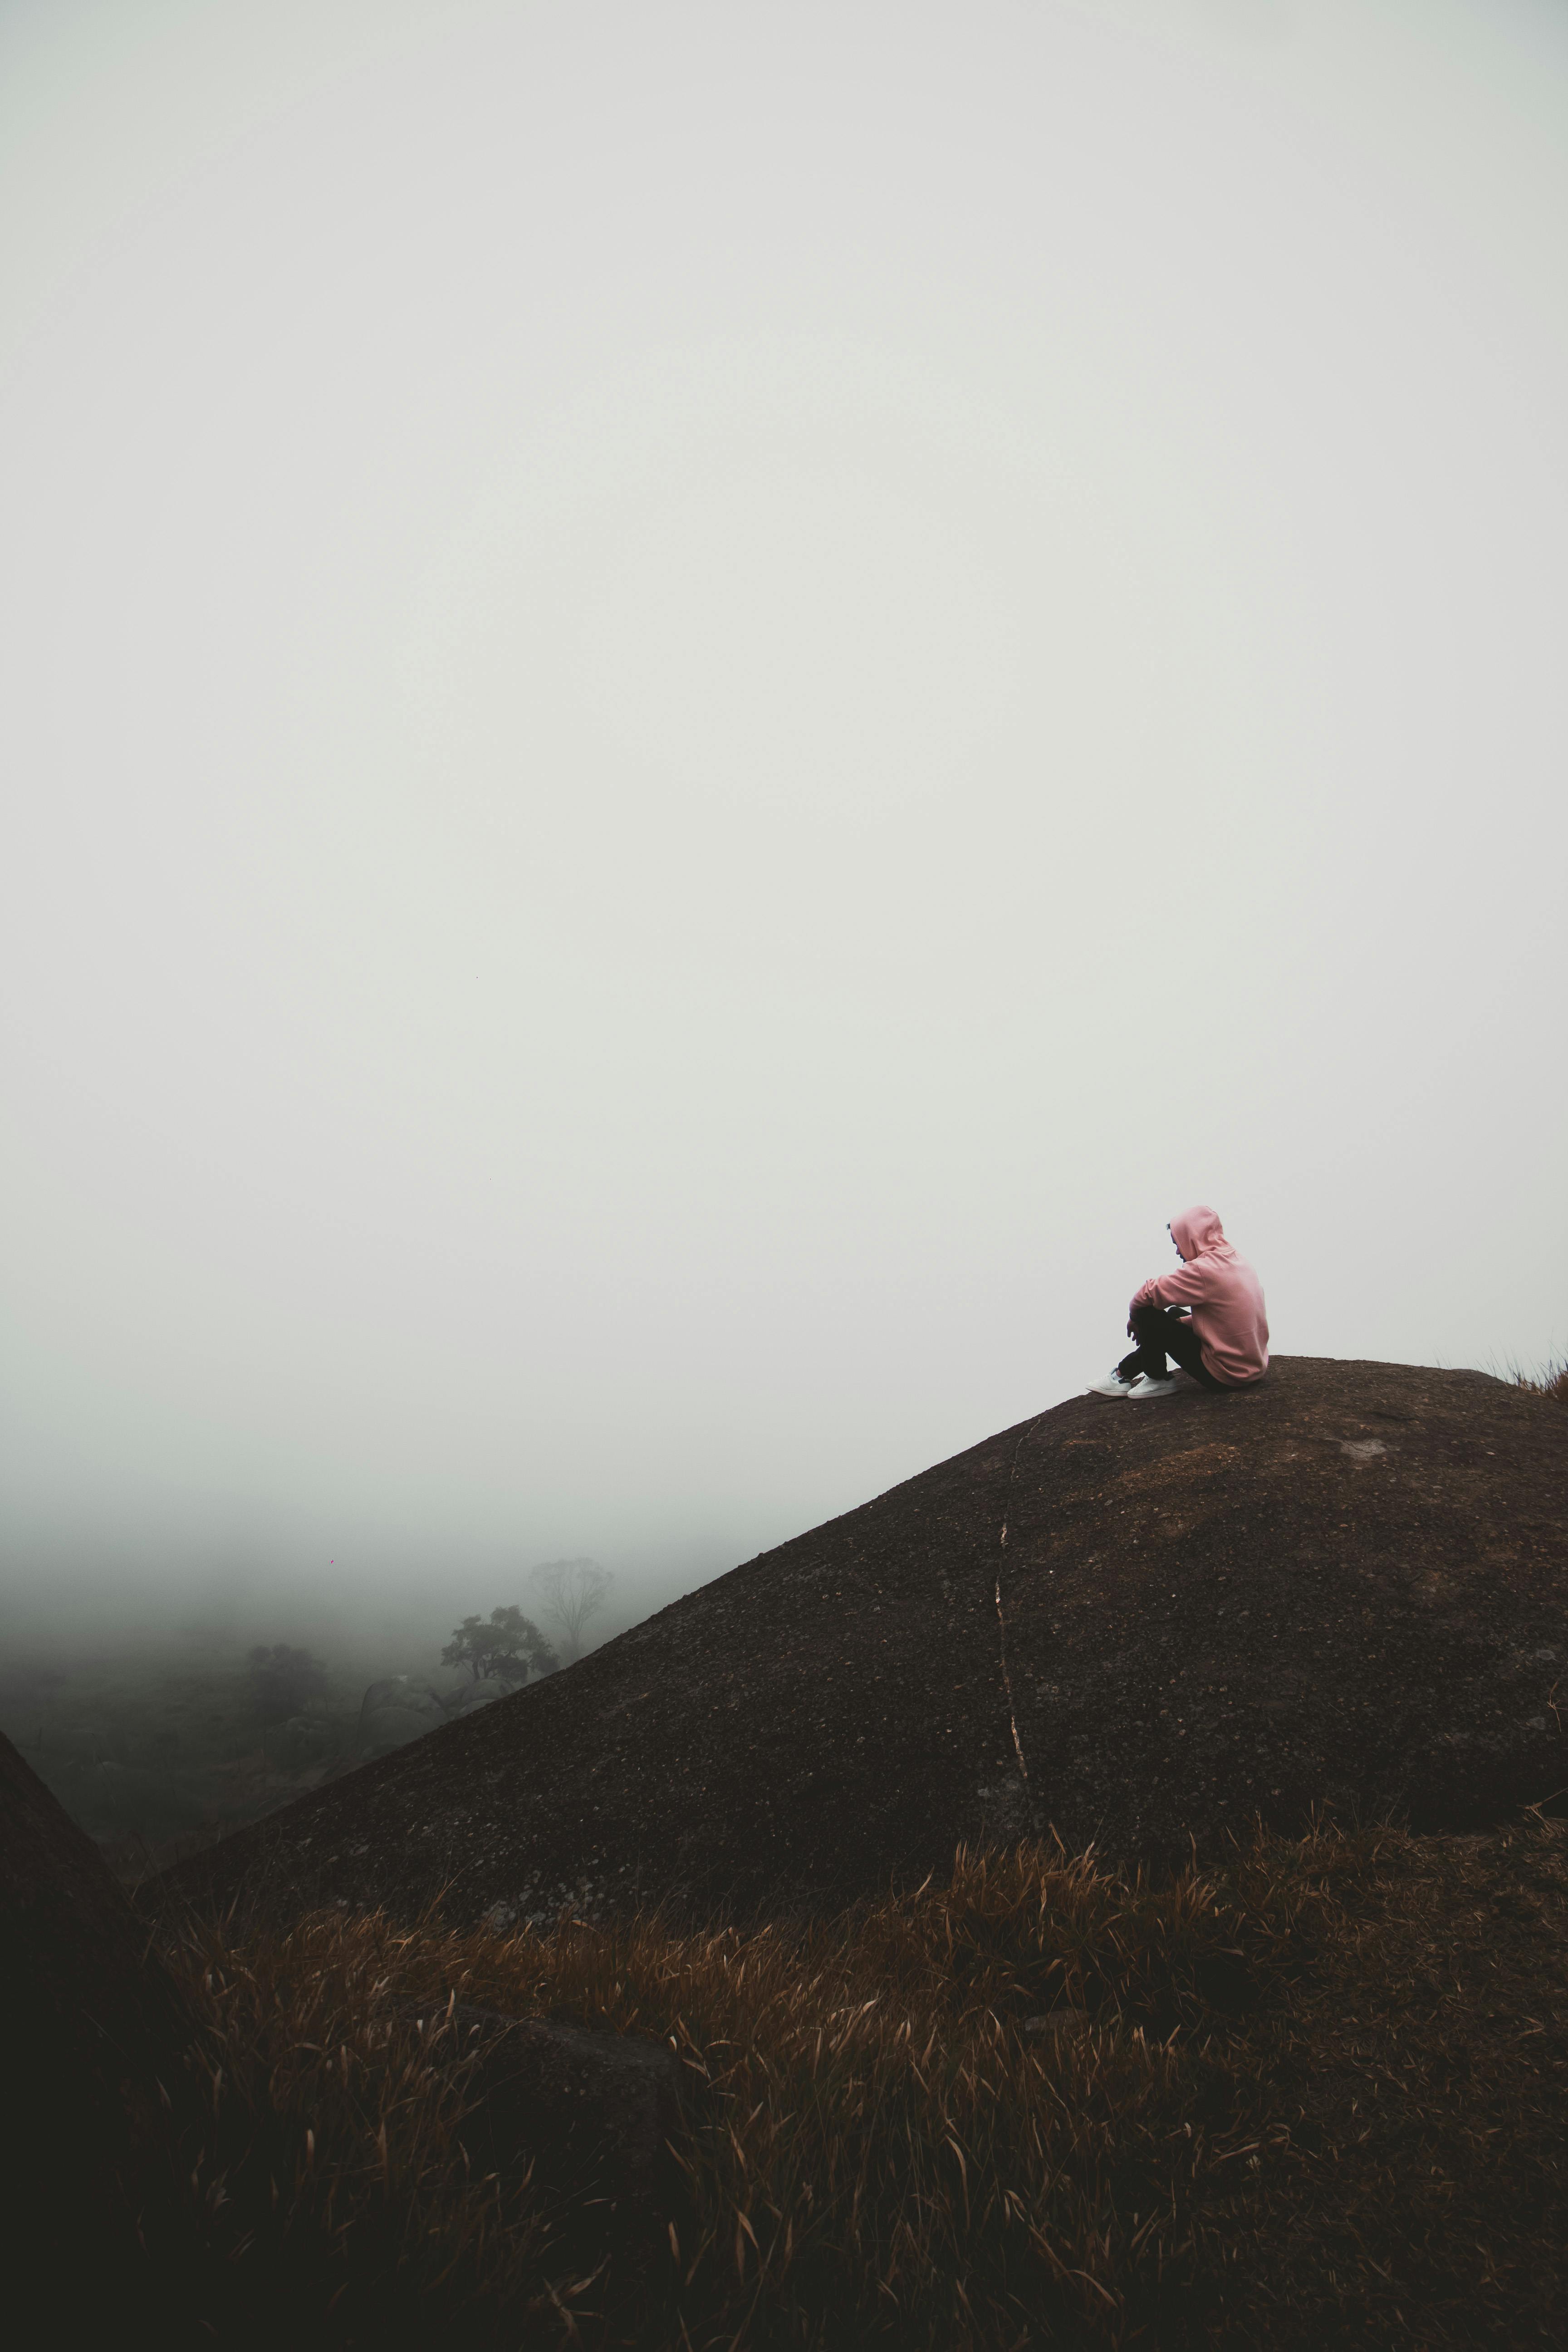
x: 95, y: 2079
x: 593, y: 2119
x: 1133, y: 1624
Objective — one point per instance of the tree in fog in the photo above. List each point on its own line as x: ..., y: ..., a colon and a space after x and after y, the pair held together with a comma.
x: 504, y: 1651
x: 571, y: 1592
x: 282, y: 1680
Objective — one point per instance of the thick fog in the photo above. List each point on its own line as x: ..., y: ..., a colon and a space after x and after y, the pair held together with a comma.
x: 699, y: 701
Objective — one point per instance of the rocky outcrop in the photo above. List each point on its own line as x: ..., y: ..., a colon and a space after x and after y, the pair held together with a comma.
x: 1133, y: 1624
x: 95, y: 2083
x: 594, y: 2119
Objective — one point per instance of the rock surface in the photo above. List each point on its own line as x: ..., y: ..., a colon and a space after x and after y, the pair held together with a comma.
x: 1133, y: 1624
x: 592, y: 2115
x: 94, y: 2080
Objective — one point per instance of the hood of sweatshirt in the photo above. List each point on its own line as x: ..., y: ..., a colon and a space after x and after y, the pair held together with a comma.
x: 1197, y: 1233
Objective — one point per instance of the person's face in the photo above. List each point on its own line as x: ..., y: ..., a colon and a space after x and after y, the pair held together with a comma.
x: 1176, y: 1244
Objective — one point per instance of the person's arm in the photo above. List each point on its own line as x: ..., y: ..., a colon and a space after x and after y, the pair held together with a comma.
x: 1183, y: 1287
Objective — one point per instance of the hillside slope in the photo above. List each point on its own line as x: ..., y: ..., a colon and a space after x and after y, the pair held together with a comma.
x: 1136, y: 1625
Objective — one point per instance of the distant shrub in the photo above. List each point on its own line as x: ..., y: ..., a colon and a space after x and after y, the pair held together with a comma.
x: 281, y: 1681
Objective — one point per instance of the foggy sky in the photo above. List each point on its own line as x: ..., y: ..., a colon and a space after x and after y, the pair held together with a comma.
x: 699, y: 702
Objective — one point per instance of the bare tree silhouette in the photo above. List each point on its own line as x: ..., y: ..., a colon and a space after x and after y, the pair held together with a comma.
x: 571, y: 1592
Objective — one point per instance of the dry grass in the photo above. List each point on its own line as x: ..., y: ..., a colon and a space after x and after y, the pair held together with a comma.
x: 1551, y: 1380
x: 1317, y: 2100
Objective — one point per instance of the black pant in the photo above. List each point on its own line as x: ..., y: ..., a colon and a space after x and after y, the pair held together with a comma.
x: 1162, y: 1331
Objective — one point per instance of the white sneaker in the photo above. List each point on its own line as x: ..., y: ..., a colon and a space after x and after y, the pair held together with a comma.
x: 1144, y: 1387
x: 1116, y: 1383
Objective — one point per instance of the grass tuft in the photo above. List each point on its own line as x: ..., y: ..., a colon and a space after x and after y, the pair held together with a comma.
x: 1315, y: 2097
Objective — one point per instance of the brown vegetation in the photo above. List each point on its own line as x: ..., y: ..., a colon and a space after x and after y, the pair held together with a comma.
x: 1315, y: 2097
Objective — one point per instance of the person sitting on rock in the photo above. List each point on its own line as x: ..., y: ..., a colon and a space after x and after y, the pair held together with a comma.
x: 1222, y: 1344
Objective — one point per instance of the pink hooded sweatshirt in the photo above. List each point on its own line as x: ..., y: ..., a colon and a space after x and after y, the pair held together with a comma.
x: 1224, y: 1293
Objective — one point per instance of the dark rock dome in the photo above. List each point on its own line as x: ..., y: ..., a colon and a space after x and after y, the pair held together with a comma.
x: 1134, y: 1625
